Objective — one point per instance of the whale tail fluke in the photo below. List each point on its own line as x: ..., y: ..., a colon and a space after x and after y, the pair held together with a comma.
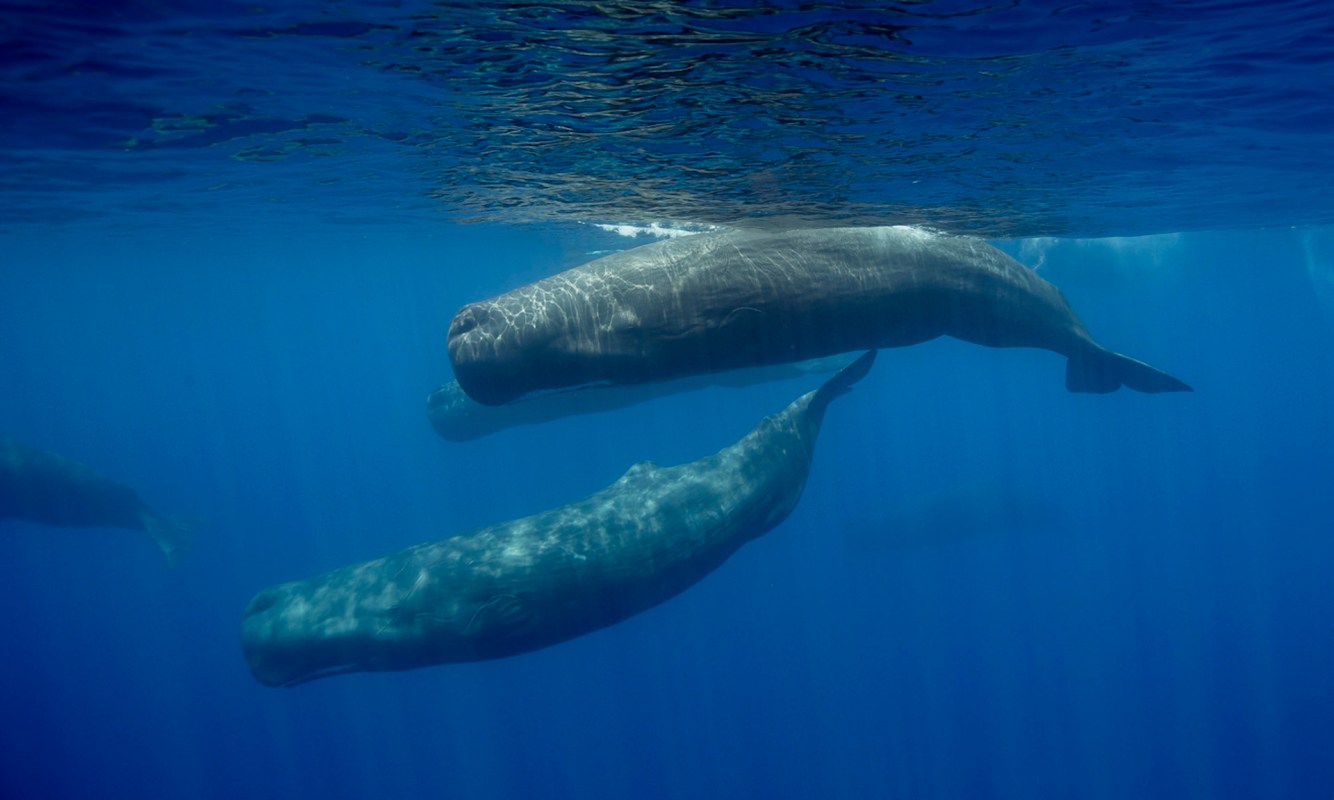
x: 174, y: 535
x: 1103, y: 371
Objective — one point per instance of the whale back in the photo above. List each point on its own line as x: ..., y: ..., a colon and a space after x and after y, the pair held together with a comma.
x: 724, y: 301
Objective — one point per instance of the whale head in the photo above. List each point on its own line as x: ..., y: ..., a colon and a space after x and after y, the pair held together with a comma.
x: 352, y: 619
x: 527, y: 342
x: 397, y: 612
x: 497, y: 356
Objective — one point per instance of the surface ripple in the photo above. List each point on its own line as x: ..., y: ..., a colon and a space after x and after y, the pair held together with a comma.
x: 1005, y: 119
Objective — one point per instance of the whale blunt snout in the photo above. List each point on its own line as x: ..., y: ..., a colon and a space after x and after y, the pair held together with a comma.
x: 345, y: 620
x: 258, y: 639
x: 478, y: 356
x: 296, y: 632
x: 281, y: 645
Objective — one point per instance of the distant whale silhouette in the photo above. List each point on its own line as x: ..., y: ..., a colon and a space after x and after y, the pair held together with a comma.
x: 959, y: 513
x: 457, y: 417
x: 722, y: 301
x: 533, y: 582
x: 41, y: 486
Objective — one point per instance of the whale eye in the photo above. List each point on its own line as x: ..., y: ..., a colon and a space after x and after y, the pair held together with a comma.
x: 465, y: 320
x: 261, y: 602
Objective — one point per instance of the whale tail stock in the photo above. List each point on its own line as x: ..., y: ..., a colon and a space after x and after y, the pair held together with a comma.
x: 841, y: 382
x: 174, y: 535
x: 1101, y: 371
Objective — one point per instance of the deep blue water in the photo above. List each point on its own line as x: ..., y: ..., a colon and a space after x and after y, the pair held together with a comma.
x: 231, y: 241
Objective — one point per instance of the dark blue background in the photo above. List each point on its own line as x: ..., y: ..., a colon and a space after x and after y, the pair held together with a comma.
x: 231, y: 241
x: 1156, y: 624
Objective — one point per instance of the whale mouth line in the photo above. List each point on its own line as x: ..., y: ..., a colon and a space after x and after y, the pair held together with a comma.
x: 337, y: 669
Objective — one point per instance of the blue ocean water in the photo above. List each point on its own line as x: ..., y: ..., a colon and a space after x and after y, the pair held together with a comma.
x: 231, y: 241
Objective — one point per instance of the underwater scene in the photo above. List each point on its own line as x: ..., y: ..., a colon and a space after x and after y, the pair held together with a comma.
x: 666, y: 400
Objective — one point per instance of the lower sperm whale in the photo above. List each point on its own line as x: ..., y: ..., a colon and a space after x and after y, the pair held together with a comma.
x: 722, y: 301
x: 533, y: 582
x: 45, y: 487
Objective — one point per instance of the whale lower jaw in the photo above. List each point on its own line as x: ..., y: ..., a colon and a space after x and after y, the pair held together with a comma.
x: 323, y: 672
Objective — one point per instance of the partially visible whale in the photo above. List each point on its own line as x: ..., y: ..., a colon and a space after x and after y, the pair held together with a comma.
x: 928, y: 519
x: 41, y: 486
x: 458, y: 418
x: 533, y: 582
x: 722, y: 301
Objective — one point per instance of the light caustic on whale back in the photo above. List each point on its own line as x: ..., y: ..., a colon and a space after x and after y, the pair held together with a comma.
x: 670, y: 309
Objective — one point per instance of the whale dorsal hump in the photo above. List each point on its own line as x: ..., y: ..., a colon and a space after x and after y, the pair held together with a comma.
x: 640, y: 470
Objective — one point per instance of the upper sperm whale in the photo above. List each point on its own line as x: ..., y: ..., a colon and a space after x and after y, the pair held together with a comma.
x: 746, y: 298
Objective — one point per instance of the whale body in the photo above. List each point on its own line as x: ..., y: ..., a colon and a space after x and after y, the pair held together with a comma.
x: 722, y: 301
x: 533, y: 582
x: 45, y: 487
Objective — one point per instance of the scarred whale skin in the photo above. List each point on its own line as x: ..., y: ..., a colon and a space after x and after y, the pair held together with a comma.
x: 533, y: 582
x: 45, y: 487
x: 722, y: 301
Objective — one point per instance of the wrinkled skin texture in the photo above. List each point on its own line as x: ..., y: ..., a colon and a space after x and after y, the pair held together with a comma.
x: 715, y: 302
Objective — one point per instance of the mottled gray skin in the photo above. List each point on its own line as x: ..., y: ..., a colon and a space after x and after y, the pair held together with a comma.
x: 533, y: 582
x: 41, y: 486
x: 457, y: 417
x: 715, y: 302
